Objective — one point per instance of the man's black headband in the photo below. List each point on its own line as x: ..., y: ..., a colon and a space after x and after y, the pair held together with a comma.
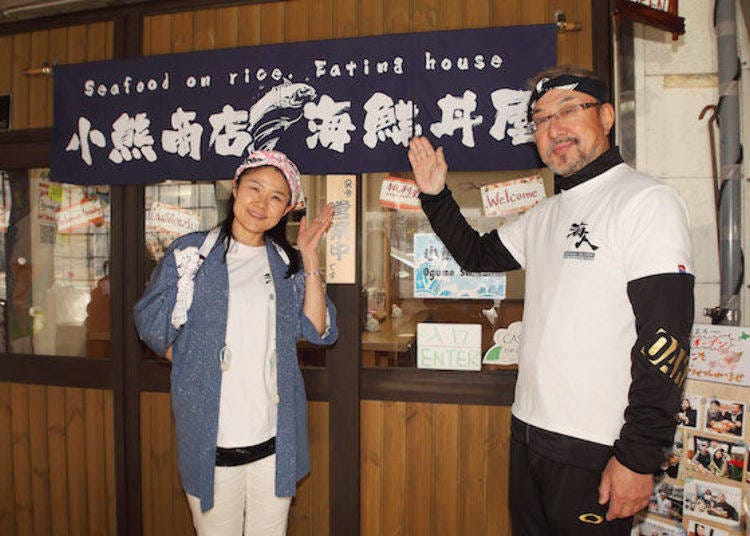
x: 584, y: 84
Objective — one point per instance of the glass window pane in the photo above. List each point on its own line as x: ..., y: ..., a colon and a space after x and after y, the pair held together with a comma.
x: 174, y: 208
x: 389, y: 336
x: 55, y: 283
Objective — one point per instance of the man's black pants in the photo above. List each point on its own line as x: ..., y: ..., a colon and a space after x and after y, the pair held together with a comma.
x: 554, y: 485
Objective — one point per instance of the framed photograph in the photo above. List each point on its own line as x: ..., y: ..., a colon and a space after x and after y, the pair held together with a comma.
x: 667, y: 500
x: 671, y: 466
x: 719, y: 457
x: 690, y: 413
x: 725, y: 417
x: 696, y: 528
x: 651, y: 527
x: 713, y: 502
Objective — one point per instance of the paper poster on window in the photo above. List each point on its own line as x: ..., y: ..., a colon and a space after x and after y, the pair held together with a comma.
x: 169, y: 219
x: 75, y: 217
x: 512, y: 197
x: 449, y: 346
x: 437, y: 275
x: 401, y: 194
x: 720, y: 354
x: 341, y: 240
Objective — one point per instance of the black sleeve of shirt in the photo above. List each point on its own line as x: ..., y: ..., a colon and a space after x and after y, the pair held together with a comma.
x: 474, y: 253
x: 663, y: 307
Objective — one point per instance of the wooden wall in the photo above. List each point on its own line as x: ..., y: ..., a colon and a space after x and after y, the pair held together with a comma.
x: 31, y: 101
x: 56, y: 461
x: 165, y: 508
x: 434, y: 469
x: 301, y: 20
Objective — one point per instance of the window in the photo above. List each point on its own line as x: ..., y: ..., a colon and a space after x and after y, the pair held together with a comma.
x: 54, y: 282
x: 394, y: 307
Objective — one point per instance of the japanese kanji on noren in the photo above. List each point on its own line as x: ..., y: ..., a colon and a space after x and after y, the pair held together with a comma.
x: 339, y: 106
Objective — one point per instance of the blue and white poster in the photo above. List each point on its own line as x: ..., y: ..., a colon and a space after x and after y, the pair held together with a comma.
x: 335, y: 107
x: 437, y: 275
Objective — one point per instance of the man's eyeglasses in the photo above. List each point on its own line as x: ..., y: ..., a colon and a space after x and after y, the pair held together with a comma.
x: 564, y: 114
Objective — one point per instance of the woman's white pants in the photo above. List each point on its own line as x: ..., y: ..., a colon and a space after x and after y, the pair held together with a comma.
x: 244, y: 502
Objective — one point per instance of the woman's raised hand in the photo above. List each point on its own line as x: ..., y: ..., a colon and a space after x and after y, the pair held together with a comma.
x: 309, y: 235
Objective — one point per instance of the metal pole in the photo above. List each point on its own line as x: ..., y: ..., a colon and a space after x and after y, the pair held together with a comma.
x: 729, y: 221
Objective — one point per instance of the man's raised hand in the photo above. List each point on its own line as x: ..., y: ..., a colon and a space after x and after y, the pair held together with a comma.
x: 429, y: 166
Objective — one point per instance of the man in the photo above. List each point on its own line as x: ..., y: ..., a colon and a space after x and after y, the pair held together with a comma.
x: 662, y: 503
x: 734, y: 416
x: 607, y: 314
x: 723, y: 509
x: 702, y: 457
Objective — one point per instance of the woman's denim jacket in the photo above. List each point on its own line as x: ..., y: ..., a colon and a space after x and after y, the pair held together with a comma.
x: 196, y: 372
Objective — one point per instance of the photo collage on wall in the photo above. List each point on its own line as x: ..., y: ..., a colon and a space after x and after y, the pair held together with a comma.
x: 700, y: 491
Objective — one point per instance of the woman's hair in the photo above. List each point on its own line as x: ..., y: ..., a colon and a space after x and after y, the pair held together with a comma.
x: 277, y: 233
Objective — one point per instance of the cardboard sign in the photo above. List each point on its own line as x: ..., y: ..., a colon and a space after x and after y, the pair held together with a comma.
x: 512, y: 197
x: 449, y: 346
x: 720, y: 354
x: 164, y: 218
x: 79, y: 216
x: 341, y: 239
x: 401, y: 194
x: 437, y: 275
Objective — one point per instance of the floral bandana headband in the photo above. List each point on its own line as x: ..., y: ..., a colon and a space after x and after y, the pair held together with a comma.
x: 281, y: 162
x: 584, y: 84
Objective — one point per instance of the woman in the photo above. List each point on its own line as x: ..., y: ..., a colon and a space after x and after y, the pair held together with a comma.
x: 229, y: 320
x: 687, y: 415
x: 718, y: 464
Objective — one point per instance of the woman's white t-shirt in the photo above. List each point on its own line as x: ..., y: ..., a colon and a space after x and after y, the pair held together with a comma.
x: 248, y: 403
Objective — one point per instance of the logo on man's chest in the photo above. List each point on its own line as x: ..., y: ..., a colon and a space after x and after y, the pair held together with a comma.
x: 580, y: 246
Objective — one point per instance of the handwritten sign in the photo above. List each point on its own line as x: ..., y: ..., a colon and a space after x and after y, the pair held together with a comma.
x: 78, y: 216
x: 164, y: 218
x: 449, y: 346
x: 341, y: 243
x: 401, y: 194
x: 720, y: 354
x: 505, y: 350
x: 512, y: 197
x: 437, y: 275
